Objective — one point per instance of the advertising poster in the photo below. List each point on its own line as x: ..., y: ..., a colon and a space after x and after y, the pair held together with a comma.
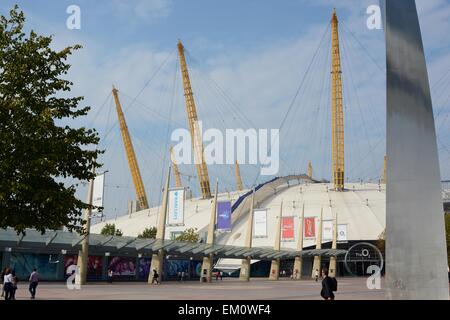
x: 122, y: 266
x: 342, y: 233
x: 196, y: 269
x: 327, y: 231
x: 144, y: 267
x: 260, y: 223
x: 287, y: 225
x: 176, y: 207
x: 95, y: 266
x: 98, y: 192
x: 173, y: 267
x: 224, y: 215
x: 310, y: 228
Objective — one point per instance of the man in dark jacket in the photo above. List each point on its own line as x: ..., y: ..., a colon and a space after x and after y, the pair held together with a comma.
x: 327, y: 286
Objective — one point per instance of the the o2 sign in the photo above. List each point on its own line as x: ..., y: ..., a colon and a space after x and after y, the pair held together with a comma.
x: 369, y: 257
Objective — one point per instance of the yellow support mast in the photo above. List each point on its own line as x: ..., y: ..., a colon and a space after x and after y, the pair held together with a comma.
x: 194, y: 128
x: 310, y: 170
x: 176, y: 172
x: 132, y: 161
x: 239, y: 184
x: 384, y: 178
x: 337, y: 109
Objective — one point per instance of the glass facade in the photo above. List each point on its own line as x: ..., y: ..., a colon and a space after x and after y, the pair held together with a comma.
x: 24, y: 263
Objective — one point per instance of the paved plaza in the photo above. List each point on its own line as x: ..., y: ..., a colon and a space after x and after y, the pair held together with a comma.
x: 228, y: 289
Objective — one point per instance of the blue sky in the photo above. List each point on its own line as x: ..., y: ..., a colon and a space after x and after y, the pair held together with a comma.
x: 258, y: 53
x: 160, y: 22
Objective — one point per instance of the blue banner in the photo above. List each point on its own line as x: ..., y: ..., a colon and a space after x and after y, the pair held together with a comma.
x: 224, y: 215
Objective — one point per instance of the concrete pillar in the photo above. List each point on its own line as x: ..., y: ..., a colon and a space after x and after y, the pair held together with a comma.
x: 275, y: 270
x: 298, y: 263
x: 317, y: 259
x: 208, y: 261
x: 158, y: 258
x: 275, y: 266
x: 332, y: 265
x: 316, y: 266
x: 207, y: 265
x: 83, y: 254
x: 244, y: 274
x: 156, y: 264
x: 416, y: 255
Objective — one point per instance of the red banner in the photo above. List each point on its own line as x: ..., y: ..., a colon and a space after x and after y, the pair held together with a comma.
x: 310, y: 227
x: 288, y: 228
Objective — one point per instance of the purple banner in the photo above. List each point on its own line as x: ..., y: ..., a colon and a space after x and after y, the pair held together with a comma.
x: 224, y: 215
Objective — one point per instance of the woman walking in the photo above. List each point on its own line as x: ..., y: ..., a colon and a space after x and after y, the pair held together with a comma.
x: 155, y: 277
x: 8, y: 284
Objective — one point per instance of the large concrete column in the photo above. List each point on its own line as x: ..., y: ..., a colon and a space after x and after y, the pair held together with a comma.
x: 298, y: 263
x: 208, y: 261
x: 416, y: 257
x: 158, y: 258
x: 275, y: 266
x: 83, y: 254
x: 332, y: 265
x: 317, y: 259
x: 244, y: 274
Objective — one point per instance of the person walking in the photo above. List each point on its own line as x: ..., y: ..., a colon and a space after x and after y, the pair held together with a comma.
x: 221, y: 275
x: 34, y: 281
x: 110, y: 276
x: 14, y: 281
x: 2, y: 278
x: 328, y: 286
x: 7, y: 284
x: 217, y: 275
x: 155, y: 277
x: 316, y: 275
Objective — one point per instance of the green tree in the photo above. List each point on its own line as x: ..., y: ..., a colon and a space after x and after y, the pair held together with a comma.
x: 381, y: 242
x: 110, y: 230
x: 189, y: 235
x: 148, y: 233
x: 38, y: 148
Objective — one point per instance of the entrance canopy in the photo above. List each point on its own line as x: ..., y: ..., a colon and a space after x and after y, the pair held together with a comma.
x: 58, y: 241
